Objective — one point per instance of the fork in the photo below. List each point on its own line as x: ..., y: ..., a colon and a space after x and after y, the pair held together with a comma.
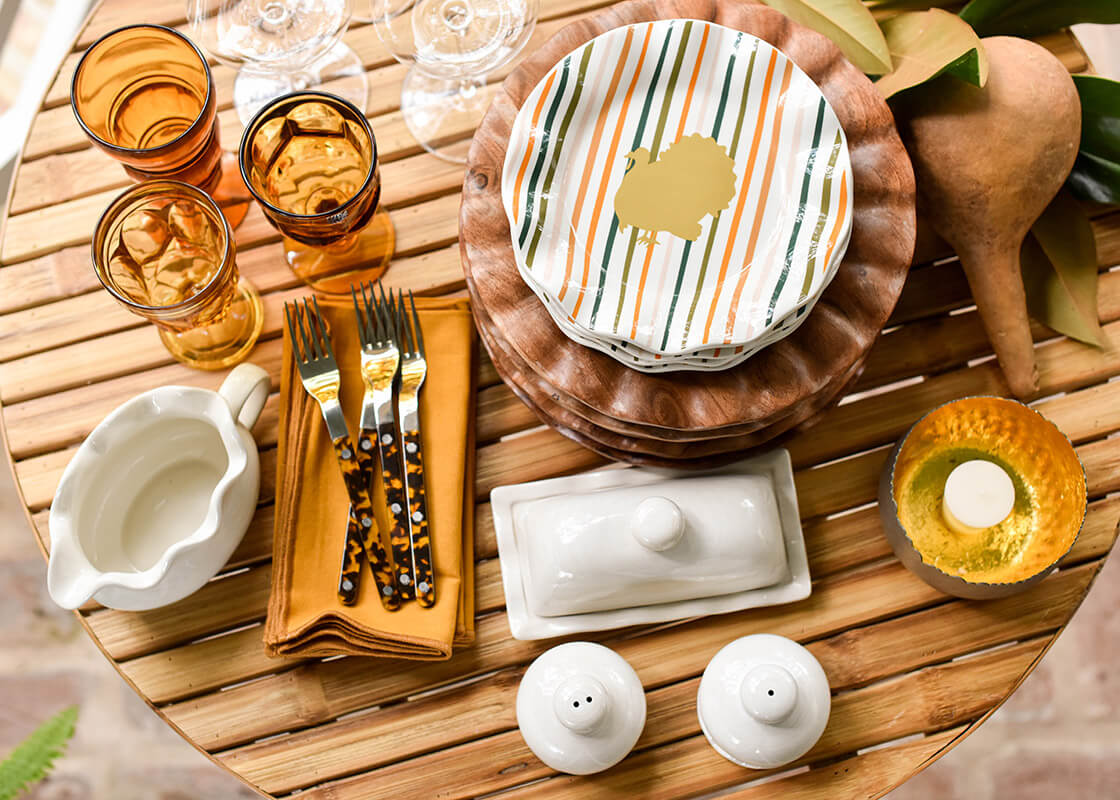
x: 318, y: 371
x: 380, y: 363
x: 414, y: 368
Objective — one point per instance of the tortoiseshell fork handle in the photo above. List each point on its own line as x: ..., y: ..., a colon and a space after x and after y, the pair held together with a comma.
x: 350, y: 573
x: 392, y: 478
x: 418, y: 516
x: 362, y: 510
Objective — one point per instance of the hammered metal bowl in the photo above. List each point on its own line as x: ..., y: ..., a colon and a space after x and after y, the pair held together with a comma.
x: 1050, y: 497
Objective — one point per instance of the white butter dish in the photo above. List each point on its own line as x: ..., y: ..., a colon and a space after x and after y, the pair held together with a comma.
x: 676, y: 539
x: 636, y: 546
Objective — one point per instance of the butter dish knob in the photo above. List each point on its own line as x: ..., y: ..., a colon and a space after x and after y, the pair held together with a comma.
x: 581, y: 703
x: 769, y: 693
x: 657, y: 523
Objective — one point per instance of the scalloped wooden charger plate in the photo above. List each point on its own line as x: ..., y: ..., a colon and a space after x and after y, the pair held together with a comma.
x: 786, y: 376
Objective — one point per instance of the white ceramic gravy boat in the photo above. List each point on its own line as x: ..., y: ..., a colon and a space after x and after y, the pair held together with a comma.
x: 158, y: 495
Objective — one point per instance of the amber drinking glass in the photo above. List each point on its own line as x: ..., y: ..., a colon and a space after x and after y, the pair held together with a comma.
x: 310, y: 159
x: 144, y: 94
x: 164, y: 250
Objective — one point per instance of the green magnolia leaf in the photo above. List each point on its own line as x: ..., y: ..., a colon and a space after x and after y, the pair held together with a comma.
x: 924, y: 44
x: 32, y: 758
x: 1034, y: 17
x: 1100, y: 115
x: 1095, y: 179
x: 1059, y: 265
x: 1096, y: 173
x: 848, y: 23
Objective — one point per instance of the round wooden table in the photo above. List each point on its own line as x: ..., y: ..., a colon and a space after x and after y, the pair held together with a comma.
x: 893, y: 648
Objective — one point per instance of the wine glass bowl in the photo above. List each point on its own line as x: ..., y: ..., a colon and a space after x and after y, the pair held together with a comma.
x: 144, y: 95
x: 137, y: 91
x: 164, y: 250
x: 310, y: 159
x: 451, y: 45
x: 279, y: 46
x: 274, y: 31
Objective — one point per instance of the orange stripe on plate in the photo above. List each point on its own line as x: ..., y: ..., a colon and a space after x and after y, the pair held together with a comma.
x: 588, y: 167
x: 532, y: 135
x: 760, y: 207
x: 841, y: 207
x: 799, y: 119
x: 596, y: 212
x: 748, y: 173
x: 680, y: 130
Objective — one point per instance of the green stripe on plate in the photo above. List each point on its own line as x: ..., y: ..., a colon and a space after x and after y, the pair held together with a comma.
x: 826, y: 191
x: 715, y: 222
x: 659, y: 131
x: 637, y: 141
x: 550, y: 117
x: 809, y: 164
x: 568, y: 114
x: 715, y: 135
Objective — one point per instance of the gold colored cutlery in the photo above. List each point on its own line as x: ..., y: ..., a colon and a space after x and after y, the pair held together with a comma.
x: 380, y: 365
x: 414, y: 369
x: 319, y: 374
x: 393, y: 370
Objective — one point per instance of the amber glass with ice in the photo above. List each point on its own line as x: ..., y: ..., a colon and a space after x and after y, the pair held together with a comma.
x: 165, y: 252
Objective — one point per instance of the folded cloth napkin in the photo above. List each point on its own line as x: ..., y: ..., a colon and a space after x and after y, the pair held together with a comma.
x: 305, y: 617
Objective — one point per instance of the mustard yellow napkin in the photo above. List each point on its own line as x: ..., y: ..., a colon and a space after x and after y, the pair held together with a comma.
x: 305, y: 617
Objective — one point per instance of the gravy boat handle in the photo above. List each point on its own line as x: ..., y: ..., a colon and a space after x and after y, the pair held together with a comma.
x: 245, y: 391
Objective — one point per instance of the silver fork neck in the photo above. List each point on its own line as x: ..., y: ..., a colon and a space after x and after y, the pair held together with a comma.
x: 332, y: 415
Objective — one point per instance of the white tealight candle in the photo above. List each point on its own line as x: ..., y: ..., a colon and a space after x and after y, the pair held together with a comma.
x: 978, y: 495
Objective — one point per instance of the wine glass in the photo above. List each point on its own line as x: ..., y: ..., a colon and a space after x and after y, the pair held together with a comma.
x: 280, y: 46
x: 310, y: 160
x: 144, y: 95
x: 451, y: 45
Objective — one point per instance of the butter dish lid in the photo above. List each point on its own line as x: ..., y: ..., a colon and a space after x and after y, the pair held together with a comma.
x: 580, y: 707
x: 764, y: 701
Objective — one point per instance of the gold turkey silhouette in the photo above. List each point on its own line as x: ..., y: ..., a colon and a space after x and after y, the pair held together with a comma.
x: 673, y: 192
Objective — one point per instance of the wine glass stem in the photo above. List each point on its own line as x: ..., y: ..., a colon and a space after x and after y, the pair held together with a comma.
x: 469, y: 88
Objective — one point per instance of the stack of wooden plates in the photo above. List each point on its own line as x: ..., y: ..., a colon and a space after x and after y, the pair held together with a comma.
x: 709, y: 217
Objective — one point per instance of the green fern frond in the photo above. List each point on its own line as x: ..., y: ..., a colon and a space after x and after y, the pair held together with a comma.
x: 34, y: 756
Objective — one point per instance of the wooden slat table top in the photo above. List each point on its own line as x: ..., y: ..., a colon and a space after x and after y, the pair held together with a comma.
x: 913, y: 671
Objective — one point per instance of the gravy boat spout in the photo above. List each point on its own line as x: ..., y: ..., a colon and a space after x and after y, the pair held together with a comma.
x: 71, y: 579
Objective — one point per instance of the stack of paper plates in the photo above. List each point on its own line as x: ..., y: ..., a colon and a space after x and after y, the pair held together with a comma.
x: 679, y: 195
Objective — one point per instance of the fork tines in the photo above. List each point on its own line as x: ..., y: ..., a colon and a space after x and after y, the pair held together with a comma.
x: 412, y: 337
x: 376, y: 320
x: 308, y: 334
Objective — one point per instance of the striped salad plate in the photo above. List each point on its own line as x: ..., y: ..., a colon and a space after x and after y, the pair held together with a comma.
x: 678, y: 193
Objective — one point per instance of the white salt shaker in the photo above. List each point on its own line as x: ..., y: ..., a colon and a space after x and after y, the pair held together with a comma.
x: 580, y: 707
x: 763, y: 701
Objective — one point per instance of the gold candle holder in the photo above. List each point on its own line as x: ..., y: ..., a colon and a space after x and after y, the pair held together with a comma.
x: 1002, y: 558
